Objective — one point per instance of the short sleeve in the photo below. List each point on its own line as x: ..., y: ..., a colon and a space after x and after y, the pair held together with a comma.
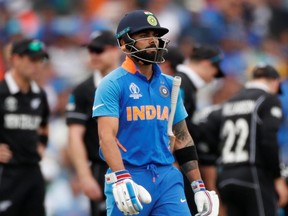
x: 107, y: 98
x: 180, y: 113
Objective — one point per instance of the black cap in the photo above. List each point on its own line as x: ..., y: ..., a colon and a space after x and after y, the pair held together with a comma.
x: 263, y: 70
x: 174, y: 56
x: 100, y: 39
x: 137, y: 21
x: 30, y: 47
x: 206, y: 52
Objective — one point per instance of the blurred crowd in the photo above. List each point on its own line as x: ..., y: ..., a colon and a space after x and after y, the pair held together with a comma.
x: 247, y: 32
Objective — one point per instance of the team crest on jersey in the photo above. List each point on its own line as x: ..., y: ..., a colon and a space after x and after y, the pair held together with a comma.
x: 276, y: 112
x: 35, y: 103
x: 135, y: 91
x: 164, y: 91
x: 11, y: 104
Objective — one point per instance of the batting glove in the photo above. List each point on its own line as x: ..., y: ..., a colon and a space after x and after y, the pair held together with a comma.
x: 207, y: 202
x: 127, y: 194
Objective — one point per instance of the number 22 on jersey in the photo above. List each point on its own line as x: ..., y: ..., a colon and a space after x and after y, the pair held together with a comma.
x: 235, y: 134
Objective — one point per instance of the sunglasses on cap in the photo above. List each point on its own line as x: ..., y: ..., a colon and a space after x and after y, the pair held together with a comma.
x: 96, y: 50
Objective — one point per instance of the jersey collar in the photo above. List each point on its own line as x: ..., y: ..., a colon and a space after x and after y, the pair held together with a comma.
x: 130, y: 66
x: 257, y: 85
x: 97, y: 78
x: 14, y: 88
x: 192, y: 75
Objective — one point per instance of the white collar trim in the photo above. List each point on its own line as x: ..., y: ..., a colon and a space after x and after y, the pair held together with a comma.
x: 97, y: 78
x: 253, y: 84
x: 14, y: 88
x: 192, y: 75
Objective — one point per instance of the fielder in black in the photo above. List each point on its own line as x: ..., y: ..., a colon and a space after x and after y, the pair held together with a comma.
x: 243, y: 133
x: 83, y: 131
x: 202, y: 67
x: 23, y: 132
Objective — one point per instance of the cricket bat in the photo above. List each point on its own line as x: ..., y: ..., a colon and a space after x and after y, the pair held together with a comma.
x: 174, y: 97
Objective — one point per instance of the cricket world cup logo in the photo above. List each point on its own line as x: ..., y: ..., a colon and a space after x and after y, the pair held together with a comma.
x: 134, y: 89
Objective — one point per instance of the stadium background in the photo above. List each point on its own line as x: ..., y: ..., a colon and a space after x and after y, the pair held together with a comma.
x: 247, y: 31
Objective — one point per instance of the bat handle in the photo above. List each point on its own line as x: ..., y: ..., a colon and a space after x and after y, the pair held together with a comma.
x: 174, y: 96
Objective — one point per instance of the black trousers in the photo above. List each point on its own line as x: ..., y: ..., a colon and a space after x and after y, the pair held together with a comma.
x: 99, y: 170
x: 247, y: 190
x: 22, y: 190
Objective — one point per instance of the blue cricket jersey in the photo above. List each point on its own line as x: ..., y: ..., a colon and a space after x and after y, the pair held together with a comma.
x: 142, y: 107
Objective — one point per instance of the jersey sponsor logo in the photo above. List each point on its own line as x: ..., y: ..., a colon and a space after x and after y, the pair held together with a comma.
x: 97, y: 106
x: 148, y: 112
x: 135, y: 91
x: 239, y: 108
x: 276, y: 112
x: 164, y: 91
x: 11, y: 104
x: 21, y: 121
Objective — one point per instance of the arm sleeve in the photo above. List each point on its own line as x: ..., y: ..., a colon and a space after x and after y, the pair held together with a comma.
x: 180, y: 112
x: 76, y: 108
x: 46, y: 110
x: 209, y: 129
x: 106, y: 100
x: 188, y: 92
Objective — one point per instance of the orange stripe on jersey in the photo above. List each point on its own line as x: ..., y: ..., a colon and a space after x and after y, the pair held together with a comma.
x: 129, y: 65
x: 121, y: 146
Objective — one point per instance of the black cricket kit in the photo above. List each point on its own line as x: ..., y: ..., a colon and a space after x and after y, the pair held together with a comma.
x: 249, y: 158
x: 21, y: 115
x: 79, y: 111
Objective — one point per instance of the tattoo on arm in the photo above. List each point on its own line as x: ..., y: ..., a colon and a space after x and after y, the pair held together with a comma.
x: 182, y: 134
x: 184, y: 139
x: 190, y: 165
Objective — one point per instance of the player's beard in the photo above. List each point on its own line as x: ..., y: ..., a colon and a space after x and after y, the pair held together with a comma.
x: 147, y: 57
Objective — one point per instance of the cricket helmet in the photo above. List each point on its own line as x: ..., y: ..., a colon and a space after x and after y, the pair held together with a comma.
x: 137, y: 21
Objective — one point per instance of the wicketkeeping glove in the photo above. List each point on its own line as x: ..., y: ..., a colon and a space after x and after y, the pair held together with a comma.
x: 207, y: 202
x: 127, y: 194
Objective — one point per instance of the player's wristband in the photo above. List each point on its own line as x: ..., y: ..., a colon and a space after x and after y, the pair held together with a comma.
x: 117, y: 176
x: 186, y: 154
x: 197, y: 186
